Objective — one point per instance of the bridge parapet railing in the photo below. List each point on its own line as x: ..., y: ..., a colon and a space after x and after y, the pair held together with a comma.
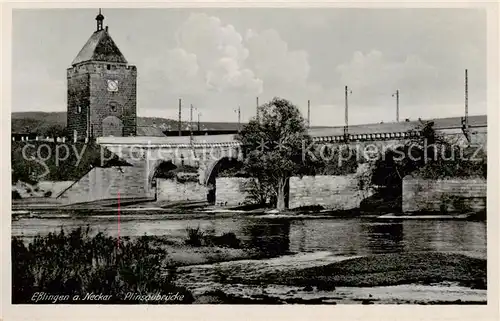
x: 367, y: 137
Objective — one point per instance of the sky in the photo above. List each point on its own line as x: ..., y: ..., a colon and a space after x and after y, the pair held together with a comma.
x: 218, y: 59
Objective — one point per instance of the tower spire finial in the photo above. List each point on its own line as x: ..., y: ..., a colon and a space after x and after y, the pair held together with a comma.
x: 99, y: 20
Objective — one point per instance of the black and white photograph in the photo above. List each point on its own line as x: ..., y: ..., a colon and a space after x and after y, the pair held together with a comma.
x: 249, y: 156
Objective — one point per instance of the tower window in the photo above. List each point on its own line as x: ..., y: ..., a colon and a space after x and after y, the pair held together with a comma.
x: 108, y: 67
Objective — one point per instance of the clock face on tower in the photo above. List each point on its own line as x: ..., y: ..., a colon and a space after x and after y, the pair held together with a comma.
x: 112, y: 85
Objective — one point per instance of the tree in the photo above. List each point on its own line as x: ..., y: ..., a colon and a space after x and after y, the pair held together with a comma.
x: 274, y: 144
x: 54, y: 131
x: 429, y: 155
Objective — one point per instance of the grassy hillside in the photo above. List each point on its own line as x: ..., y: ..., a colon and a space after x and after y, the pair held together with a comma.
x: 40, y: 122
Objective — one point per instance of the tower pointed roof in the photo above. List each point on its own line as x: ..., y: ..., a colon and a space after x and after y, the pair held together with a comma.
x: 100, y: 47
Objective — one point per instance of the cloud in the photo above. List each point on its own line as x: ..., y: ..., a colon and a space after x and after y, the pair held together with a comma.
x: 220, y: 54
x: 225, y: 57
x: 213, y: 63
x: 227, y: 75
x: 373, y: 77
x: 273, y: 61
x: 209, y: 37
x: 180, y: 62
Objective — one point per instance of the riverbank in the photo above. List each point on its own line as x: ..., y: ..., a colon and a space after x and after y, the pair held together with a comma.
x: 181, y: 254
x: 323, y: 278
x: 138, y: 208
x: 242, y: 264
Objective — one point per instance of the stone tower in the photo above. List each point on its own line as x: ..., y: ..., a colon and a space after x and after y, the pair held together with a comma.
x: 101, y: 89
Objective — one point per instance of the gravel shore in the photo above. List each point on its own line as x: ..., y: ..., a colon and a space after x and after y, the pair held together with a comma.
x: 323, y: 278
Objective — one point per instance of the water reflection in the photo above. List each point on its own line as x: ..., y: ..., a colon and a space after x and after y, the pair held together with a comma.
x: 461, y: 236
x: 279, y: 236
x: 271, y: 237
x: 360, y: 237
x: 383, y: 237
x: 339, y: 236
x: 419, y: 235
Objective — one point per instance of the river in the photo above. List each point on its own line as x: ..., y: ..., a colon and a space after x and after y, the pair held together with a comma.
x: 341, y: 236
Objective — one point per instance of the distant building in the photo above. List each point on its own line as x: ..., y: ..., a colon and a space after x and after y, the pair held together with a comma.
x: 101, y: 89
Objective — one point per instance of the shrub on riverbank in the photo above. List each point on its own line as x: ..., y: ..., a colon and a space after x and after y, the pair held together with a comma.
x: 76, y: 264
x: 57, y: 161
x: 196, y: 237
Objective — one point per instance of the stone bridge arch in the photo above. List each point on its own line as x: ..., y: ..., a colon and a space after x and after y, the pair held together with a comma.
x: 213, y: 170
x: 158, y: 170
x: 209, y: 159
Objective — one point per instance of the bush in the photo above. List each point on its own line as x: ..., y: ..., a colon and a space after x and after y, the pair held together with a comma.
x: 227, y: 240
x: 195, y: 236
x: 16, y: 195
x: 308, y: 208
x: 259, y: 191
x: 471, y: 165
x: 76, y: 264
x: 434, y: 156
x: 27, y: 170
x: 383, y: 201
x: 187, y: 178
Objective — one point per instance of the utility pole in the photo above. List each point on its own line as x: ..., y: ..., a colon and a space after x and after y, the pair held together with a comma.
x: 396, y: 94
x: 466, y: 98
x: 191, y: 123
x: 308, y: 114
x: 199, y: 114
x: 465, y: 120
x: 346, y: 127
x: 239, y: 117
x: 179, y: 123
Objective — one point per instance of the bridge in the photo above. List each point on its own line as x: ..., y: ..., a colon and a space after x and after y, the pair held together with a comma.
x: 208, y: 153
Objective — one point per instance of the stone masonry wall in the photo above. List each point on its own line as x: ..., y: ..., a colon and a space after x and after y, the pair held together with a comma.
x: 87, y: 89
x: 333, y: 192
x: 444, y: 195
x: 173, y: 191
x: 124, y: 99
x: 105, y: 183
x: 231, y: 191
x: 78, y: 95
